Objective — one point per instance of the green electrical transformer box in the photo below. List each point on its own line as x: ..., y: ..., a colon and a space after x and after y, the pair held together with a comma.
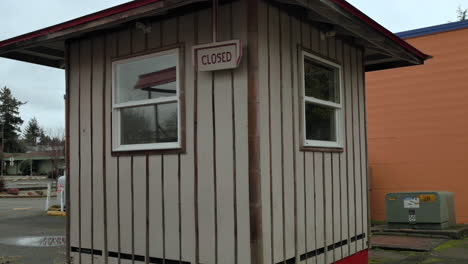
x: 420, y: 210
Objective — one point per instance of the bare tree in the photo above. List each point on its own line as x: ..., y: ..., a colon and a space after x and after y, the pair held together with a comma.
x: 53, y: 143
x: 461, y: 13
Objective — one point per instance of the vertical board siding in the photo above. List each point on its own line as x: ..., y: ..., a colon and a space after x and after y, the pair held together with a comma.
x: 343, y: 166
x: 197, y: 206
x: 155, y: 214
x: 187, y: 182
x: 363, y: 146
x: 240, y: 121
x: 125, y: 170
x: 74, y: 154
x: 223, y: 142
x: 112, y: 180
x: 288, y: 143
x: 275, y: 134
x: 86, y: 177
x: 298, y: 158
x: 312, y: 201
x: 139, y: 205
x: 151, y: 200
x: 349, y: 146
x: 357, y: 147
x: 206, y: 188
x: 139, y: 173
x: 264, y: 113
x: 171, y: 169
x: 96, y: 114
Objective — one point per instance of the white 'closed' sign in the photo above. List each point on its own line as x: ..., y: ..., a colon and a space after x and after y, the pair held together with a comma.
x: 218, y: 55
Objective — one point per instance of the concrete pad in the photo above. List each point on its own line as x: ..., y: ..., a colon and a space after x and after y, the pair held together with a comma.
x: 405, y: 243
x: 383, y: 256
x: 455, y: 232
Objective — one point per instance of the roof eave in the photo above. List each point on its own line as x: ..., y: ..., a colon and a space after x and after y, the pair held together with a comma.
x: 36, y: 47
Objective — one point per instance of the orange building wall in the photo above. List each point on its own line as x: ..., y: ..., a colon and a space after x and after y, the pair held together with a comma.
x: 418, y: 124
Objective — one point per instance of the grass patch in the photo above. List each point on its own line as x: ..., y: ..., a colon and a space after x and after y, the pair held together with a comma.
x: 11, y: 260
x: 432, y: 260
x: 378, y: 222
x: 377, y: 261
x: 462, y: 243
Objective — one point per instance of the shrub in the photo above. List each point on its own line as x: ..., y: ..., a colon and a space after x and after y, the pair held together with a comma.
x: 53, y: 174
x: 2, y: 184
x: 13, y: 191
x: 25, y: 167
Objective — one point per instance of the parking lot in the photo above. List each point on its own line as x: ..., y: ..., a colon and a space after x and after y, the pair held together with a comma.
x: 28, y: 235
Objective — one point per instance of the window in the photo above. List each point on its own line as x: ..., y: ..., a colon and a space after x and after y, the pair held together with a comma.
x: 322, y: 103
x: 146, y: 102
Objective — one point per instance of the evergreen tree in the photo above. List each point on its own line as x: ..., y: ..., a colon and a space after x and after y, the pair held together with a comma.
x: 10, y: 120
x: 43, y: 137
x: 32, y: 133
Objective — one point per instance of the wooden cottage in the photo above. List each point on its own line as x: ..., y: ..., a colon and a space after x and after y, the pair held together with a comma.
x: 206, y: 133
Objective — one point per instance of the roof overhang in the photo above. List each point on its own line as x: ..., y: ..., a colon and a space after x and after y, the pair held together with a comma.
x: 47, y: 46
x: 383, y: 49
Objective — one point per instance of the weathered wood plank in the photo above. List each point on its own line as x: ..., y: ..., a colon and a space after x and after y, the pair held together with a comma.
x: 139, y: 204
x: 206, y: 193
x: 239, y: 96
x: 171, y: 206
x: 125, y: 171
x: 170, y: 30
x: 295, y: 39
x: 97, y: 146
x: 74, y: 148
x: 287, y: 133
x: 112, y: 181
x: 188, y: 241
x: 224, y: 151
x: 349, y: 148
x: 357, y: 146
x: 363, y: 137
x: 319, y: 175
x: 86, y: 177
x: 275, y: 132
x: 263, y: 84
x: 156, y: 213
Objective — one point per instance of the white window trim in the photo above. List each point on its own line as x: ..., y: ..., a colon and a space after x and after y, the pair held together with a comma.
x: 116, y: 107
x: 339, y: 108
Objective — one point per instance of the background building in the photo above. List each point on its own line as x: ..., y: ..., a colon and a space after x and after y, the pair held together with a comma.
x: 417, y: 121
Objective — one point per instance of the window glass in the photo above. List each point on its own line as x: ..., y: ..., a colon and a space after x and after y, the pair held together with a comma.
x: 146, y: 102
x: 320, y: 122
x: 148, y: 78
x: 149, y: 124
x: 321, y: 81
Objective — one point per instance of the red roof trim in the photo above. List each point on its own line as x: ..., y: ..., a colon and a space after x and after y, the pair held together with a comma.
x: 78, y: 21
x: 356, y: 12
x: 138, y: 3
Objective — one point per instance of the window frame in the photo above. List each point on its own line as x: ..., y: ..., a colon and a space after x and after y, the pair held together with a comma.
x: 339, y: 108
x: 117, y: 147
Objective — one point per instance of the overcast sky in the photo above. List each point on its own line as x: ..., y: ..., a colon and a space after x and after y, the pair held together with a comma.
x: 43, y: 87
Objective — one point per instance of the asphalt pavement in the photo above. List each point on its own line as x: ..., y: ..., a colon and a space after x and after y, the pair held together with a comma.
x: 28, y: 235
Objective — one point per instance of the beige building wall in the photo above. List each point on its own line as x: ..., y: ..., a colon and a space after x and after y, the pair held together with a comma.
x: 191, y: 207
x: 194, y: 207
x: 314, y: 202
